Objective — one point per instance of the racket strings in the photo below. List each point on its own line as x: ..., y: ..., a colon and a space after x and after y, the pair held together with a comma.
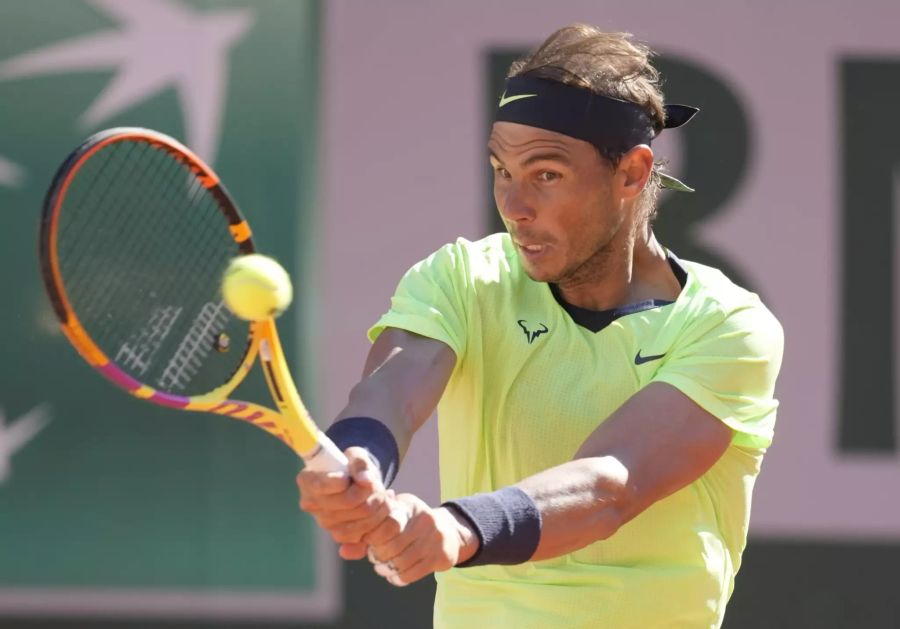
x: 198, y: 342
x: 142, y: 245
x: 94, y: 272
x: 191, y: 350
x: 199, y: 206
x: 103, y: 276
x: 149, y: 240
x: 89, y: 222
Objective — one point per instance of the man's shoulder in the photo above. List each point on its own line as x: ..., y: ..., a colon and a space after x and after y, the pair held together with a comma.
x: 491, y: 258
x: 715, y: 289
x: 715, y: 298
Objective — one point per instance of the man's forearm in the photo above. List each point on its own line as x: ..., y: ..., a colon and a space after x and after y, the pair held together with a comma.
x: 580, y: 502
x: 403, y: 379
x: 370, y: 399
x: 552, y: 513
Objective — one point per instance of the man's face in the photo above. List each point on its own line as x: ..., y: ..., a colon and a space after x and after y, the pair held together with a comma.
x: 555, y: 196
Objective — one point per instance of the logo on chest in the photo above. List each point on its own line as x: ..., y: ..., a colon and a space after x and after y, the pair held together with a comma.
x: 640, y: 360
x: 532, y: 331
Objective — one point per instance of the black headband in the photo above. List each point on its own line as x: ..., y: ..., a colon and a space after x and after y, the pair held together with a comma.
x: 610, y: 124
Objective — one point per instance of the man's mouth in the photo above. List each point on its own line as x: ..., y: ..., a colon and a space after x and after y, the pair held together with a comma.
x: 531, y: 250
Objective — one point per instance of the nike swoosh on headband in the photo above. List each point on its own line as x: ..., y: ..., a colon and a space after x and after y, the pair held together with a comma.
x: 505, y: 100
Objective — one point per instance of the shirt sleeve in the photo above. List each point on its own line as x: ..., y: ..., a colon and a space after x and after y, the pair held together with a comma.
x: 729, y: 368
x: 430, y: 300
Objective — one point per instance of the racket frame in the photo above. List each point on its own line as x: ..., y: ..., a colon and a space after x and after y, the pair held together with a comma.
x: 292, y: 423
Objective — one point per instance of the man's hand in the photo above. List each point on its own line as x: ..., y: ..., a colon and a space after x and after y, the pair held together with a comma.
x: 346, y: 504
x: 432, y: 540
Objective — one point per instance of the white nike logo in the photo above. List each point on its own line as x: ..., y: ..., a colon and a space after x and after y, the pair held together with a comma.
x: 505, y: 100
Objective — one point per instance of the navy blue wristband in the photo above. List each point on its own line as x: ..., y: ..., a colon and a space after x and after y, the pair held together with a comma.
x: 372, y: 435
x: 507, y: 523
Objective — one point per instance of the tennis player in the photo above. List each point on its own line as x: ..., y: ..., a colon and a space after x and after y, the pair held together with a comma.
x: 604, y: 406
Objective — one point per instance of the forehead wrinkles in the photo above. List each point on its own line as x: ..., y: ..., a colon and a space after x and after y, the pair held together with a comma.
x: 519, y: 142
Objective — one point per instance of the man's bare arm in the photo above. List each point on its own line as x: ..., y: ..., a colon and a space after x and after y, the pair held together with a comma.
x: 403, y: 379
x: 658, y: 442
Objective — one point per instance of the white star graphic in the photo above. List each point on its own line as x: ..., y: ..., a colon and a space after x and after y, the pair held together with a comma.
x: 11, y: 175
x: 161, y: 44
x: 15, y: 436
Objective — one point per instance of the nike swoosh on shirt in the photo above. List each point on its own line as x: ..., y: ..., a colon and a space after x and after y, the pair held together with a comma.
x: 506, y: 100
x: 640, y: 360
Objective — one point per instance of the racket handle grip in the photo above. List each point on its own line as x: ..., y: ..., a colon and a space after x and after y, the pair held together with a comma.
x: 327, y: 458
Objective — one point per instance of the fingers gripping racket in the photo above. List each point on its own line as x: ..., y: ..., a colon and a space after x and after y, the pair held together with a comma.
x: 136, y: 232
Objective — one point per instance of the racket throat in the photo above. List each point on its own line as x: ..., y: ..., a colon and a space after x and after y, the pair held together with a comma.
x: 265, y: 355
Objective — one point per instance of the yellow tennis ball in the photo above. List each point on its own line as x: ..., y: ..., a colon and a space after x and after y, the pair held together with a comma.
x: 256, y: 287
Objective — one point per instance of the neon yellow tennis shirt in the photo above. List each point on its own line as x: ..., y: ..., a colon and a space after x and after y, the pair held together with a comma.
x: 530, y: 384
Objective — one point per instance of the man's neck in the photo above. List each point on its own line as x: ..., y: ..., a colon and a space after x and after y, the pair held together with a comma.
x: 631, y: 269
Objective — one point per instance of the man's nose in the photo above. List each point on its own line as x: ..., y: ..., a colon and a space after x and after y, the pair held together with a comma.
x: 514, y: 204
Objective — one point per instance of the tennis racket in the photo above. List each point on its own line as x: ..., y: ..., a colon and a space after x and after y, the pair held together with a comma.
x: 136, y: 232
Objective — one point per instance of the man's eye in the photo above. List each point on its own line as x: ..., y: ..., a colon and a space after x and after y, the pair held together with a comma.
x: 502, y: 172
x: 548, y: 175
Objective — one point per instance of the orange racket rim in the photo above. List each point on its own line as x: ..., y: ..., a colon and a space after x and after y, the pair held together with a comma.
x: 52, y: 275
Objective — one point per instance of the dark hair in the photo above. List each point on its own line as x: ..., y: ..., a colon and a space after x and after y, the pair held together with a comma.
x: 609, y: 64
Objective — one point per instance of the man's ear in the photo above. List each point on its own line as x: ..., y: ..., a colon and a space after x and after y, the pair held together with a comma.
x: 634, y: 170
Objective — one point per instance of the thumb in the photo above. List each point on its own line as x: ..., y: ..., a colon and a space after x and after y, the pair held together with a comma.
x: 363, y: 469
